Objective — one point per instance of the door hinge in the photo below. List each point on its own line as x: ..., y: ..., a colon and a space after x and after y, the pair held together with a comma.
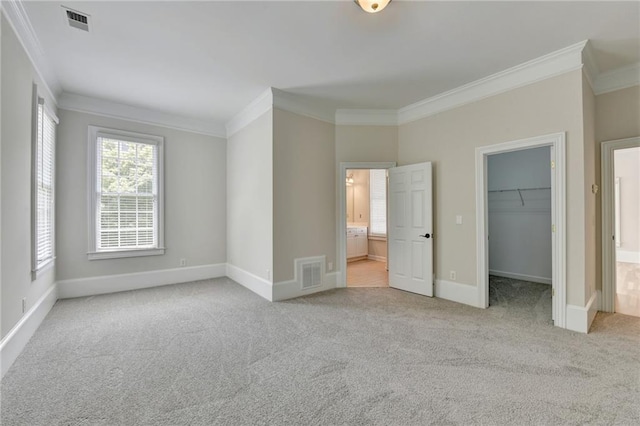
x: 553, y: 292
x: 553, y: 164
x: 553, y: 228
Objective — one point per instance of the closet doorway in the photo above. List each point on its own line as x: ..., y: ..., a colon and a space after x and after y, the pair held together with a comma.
x: 520, y: 230
x: 362, y: 224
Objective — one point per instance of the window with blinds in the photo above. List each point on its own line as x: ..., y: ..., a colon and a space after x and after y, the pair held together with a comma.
x: 43, y: 177
x: 127, y: 194
x: 378, y: 202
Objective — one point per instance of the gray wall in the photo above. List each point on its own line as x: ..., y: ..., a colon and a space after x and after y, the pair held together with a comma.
x: 195, y: 193
x: 250, y: 197
x: 18, y: 76
x: 520, y: 235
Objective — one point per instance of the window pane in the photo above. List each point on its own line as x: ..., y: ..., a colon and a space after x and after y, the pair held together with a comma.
x: 378, y: 201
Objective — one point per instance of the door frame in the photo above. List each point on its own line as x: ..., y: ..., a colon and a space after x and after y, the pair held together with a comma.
x: 342, y: 211
x: 558, y: 217
x: 608, y: 223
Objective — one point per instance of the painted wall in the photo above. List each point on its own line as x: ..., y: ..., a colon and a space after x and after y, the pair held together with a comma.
x: 194, y: 185
x: 520, y: 235
x: 17, y: 78
x: 360, y: 197
x: 250, y: 197
x: 550, y: 106
x: 617, y: 114
x: 627, y: 168
x: 304, y: 220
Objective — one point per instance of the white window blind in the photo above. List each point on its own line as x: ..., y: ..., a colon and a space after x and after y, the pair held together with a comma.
x: 127, y: 194
x: 43, y: 175
x: 378, y: 202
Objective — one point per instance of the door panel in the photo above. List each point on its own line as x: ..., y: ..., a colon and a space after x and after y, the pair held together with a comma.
x: 410, y: 222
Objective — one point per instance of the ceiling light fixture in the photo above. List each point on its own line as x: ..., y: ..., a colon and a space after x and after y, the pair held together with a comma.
x: 372, y: 6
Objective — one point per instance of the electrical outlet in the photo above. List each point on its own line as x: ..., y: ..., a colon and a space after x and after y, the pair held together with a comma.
x: 183, y: 262
x: 330, y: 266
x: 452, y: 275
x: 459, y: 219
x: 24, y: 304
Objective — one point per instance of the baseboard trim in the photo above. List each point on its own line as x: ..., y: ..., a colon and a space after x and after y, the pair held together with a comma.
x: 376, y: 258
x: 104, y: 284
x: 523, y: 277
x: 457, y: 292
x: 256, y: 284
x: 580, y: 318
x: 15, y: 341
x: 284, y: 290
x: 627, y: 256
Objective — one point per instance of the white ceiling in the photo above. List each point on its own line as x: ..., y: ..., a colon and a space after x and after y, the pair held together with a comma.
x: 208, y: 60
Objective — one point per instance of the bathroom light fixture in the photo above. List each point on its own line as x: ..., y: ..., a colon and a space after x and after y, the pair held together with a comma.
x: 372, y: 6
x: 350, y: 180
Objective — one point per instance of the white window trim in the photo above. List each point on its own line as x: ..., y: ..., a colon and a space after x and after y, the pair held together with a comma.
x: 93, y: 253
x: 37, y: 269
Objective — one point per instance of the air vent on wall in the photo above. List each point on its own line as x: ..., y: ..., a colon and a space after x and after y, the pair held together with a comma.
x: 77, y: 19
x: 310, y: 271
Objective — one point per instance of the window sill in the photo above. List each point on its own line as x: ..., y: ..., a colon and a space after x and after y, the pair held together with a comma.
x: 49, y: 264
x: 377, y: 237
x: 99, y: 255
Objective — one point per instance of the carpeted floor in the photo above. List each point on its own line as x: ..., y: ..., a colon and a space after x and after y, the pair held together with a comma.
x: 212, y: 352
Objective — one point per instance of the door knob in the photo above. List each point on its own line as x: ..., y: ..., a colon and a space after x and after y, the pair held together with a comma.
x: 425, y: 236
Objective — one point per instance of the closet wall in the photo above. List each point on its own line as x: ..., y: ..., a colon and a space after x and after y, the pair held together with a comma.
x: 520, y: 221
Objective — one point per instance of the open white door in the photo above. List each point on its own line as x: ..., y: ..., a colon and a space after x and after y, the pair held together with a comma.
x: 410, y: 229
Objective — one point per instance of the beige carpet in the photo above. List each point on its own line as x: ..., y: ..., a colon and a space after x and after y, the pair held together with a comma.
x: 213, y: 353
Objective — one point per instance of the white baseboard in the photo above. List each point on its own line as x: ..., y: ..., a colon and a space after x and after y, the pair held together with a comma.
x: 523, y: 277
x: 376, y: 258
x: 90, y: 286
x: 456, y: 292
x: 256, y: 284
x: 289, y: 289
x: 627, y: 256
x: 18, y: 337
x: 579, y: 318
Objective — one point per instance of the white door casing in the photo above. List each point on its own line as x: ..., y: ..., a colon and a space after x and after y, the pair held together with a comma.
x: 410, y: 232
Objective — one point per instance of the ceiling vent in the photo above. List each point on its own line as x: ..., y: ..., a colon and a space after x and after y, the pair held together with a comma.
x: 77, y: 19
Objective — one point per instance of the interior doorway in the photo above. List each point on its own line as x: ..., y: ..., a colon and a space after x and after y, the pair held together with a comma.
x: 369, y: 269
x: 520, y: 231
x: 556, y: 144
x: 621, y: 226
x: 366, y: 227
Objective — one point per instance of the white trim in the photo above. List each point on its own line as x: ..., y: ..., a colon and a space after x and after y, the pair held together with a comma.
x: 255, y: 109
x: 558, y: 217
x: 547, y: 66
x: 91, y: 286
x: 617, y: 79
x: 17, y: 338
x: 457, y: 292
x: 367, y: 117
x: 522, y: 277
x: 256, y: 284
x: 608, y: 223
x: 21, y: 25
x: 590, y: 67
x: 117, y: 254
x: 627, y: 256
x: 104, y: 108
x: 297, y: 105
x: 580, y: 318
x: 341, y: 229
x: 377, y: 258
x: 290, y: 289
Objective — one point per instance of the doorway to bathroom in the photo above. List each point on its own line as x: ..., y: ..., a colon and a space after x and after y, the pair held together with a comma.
x: 362, y: 229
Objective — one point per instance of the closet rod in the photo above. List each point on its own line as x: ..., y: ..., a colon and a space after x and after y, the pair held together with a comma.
x: 519, y: 189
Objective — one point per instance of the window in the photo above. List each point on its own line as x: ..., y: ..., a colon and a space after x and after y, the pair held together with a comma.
x: 378, y: 202
x: 126, y: 217
x: 43, y: 172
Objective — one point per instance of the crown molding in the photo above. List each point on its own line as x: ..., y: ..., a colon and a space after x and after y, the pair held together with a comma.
x: 590, y: 67
x: 547, y: 66
x: 293, y: 103
x: 79, y: 103
x: 620, y: 78
x: 21, y: 25
x: 255, y: 109
x: 367, y: 117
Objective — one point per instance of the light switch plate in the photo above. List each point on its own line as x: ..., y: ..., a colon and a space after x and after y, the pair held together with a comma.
x: 459, y: 219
